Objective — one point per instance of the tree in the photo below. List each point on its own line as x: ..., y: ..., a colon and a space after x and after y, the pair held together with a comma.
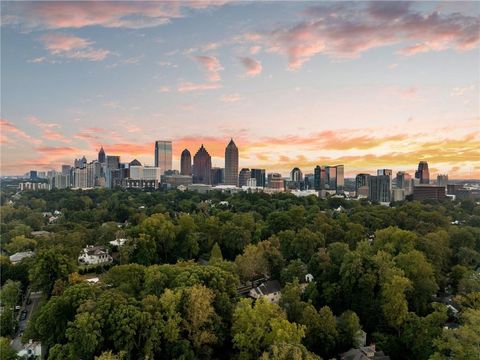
x: 161, y: 229
x: 461, y: 343
x: 216, y: 254
x: 296, y: 269
x: 252, y: 263
x: 20, y: 243
x: 419, y: 271
x: 349, y: 329
x: 128, y: 278
x: 108, y: 355
x: 284, y: 351
x: 85, y: 334
x: 199, y: 316
x: 321, y: 330
x: 7, y: 352
x: 10, y: 293
x: 257, y: 327
x: 394, y: 302
x: 50, y: 265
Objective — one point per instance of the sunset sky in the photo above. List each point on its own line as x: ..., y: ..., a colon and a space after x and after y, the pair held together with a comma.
x: 367, y: 85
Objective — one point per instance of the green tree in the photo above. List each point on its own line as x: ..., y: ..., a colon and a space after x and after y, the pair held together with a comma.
x: 216, y: 254
x: 394, y: 302
x: 321, y: 330
x: 20, y: 243
x: 10, y: 293
x: 50, y: 265
x: 7, y: 352
x: 349, y: 329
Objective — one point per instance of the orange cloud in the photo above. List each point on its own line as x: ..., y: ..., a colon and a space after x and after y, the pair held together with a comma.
x: 188, y: 87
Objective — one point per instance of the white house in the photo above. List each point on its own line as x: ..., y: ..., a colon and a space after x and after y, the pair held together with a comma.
x: 270, y: 289
x: 94, y: 255
x: 118, y: 242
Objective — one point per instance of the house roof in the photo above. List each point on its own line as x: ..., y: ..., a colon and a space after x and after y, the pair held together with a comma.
x: 19, y: 256
x: 268, y: 287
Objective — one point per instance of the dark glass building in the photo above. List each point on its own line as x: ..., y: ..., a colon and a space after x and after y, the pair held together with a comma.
x: 361, y: 184
x: 101, y: 156
x: 379, y: 188
x: 186, y: 163
x: 202, y: 167
x: 231, y: 164
x: 216, y: 175
x: 422, y: 173
x: 259, y: 176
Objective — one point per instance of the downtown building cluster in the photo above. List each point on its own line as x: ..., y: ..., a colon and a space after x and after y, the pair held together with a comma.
x: 196, y: 173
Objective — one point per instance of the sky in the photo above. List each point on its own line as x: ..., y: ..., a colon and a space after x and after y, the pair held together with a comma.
x: 365, y: 84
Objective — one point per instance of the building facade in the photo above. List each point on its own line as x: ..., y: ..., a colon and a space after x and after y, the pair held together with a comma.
x: 243, y: 177
x: 423, y: 174
x: 428, y: 192
x: 163, y: 155
x: 186, y: 163
x: 259, y: 176
x: 231, y: 164
x: 202, y: 167
x: 379, y: 188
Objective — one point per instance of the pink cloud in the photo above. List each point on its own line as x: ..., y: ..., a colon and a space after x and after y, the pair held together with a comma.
x: 212, y: 65
x: 73, y: 47
x: 110, y: 14
x: 10, y: 133
x: 49, y: 131
x: 188, y: 86
x: 347, y: 30
x: 252, y: 66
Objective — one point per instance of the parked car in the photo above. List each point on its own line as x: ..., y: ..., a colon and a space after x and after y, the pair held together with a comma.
x: 23, y: 315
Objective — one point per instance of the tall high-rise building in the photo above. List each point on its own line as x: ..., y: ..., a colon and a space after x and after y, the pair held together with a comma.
x: 186, y: 163
x: 296, y: 175
x: 163, y: 155
x: 361, y: 184
x: 423, y: 174
x: 243, y: 177
x: 379, y: 188
x: 113, y: 162
x: 66, y: 169
x: 101, y: 156
x: 259, y: 176
x: 231, y: 164
x: 404, y: 181
x: 275, y: 181
x: 202, y: 167
x: 216, y: 175
x: 329, y: 178
x: 442, y: 180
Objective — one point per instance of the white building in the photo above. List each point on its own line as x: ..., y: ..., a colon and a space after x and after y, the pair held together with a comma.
x: 145, y: 173
x: 94, y: 255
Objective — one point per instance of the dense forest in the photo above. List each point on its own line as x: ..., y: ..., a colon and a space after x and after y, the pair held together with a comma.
x: 171, y: 291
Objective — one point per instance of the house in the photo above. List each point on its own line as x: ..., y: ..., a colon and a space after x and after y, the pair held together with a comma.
x: 94, y: 255
x: 19, y: 256
x: 364, y: 353
x: 32, y: 350
x: 270, y: 289
x: 93, y: 280
x: 118, y: 242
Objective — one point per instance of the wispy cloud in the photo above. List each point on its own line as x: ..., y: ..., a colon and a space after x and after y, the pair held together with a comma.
x: 212, y: 65
x: 109, y: 14
x: 188, y: 86
x: 72, y: 47
x: 346, y: 30
x: 230, y: 98
x: 252, y: 66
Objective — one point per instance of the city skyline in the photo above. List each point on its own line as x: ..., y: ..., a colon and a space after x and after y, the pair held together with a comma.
x: 293, y: 84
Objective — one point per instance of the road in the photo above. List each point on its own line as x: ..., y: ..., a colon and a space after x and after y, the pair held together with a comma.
x: 22, y: 324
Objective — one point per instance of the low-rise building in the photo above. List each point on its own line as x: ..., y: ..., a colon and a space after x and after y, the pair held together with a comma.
x: 270, y: 289
x: 19, y: 256
x: 428, y: 192
x: 94, y: 255
x: 364, y: 353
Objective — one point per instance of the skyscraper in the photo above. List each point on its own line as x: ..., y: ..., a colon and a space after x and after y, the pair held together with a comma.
x: 404, y: 181
x: 231, y: 164
x: 361, y: 184
x: 163, y: 155
x: 296, y: 175
x: 202, y: 167
x: 259, y: 176
x: 319, y: 178
x: 379, y: 188
x: 216, y: 176
x: 442, y: 180
x: 186, y: 163
x: 243, y: 177
x: 101, y: 156
x: 422, y: 174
